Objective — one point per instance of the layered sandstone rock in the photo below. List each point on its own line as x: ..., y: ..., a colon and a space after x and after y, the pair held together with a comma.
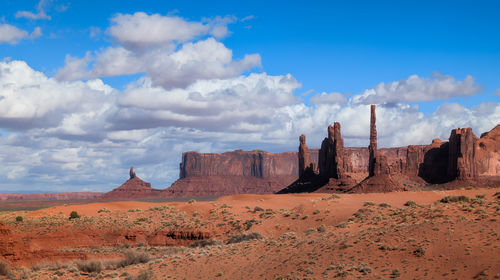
x: 238, y: 172
x: 257, y: 164
x: 133, y: 188
x: 332, y: 159
x: 214, y: 186
x: 379, y: 173
x: 487, y: 154
x: 304, y: 156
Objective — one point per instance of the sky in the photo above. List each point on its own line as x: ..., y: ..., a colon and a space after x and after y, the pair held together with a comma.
x: 90, y: 88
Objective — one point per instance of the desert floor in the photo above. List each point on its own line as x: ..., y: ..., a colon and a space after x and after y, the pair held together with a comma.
x: 405, y: 235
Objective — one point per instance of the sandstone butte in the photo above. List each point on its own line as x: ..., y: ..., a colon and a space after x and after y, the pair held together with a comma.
x: 461, y: 161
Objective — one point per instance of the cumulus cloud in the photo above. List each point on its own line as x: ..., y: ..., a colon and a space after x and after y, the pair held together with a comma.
x: 242, y: 104
x: 168, y: 49
x: 29, y: 100
x: 11, y: 34
x: 40, y: 14
x: 415, y: 88
x: 205, y: 59
x: 330, y: 98
x: 140, y: 30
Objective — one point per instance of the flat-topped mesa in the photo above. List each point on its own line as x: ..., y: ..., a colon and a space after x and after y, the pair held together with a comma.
x: 461, y: 158
x: 304, y: 156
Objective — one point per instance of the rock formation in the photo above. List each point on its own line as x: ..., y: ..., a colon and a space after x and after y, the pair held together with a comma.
x: 372, y: 148
x: 216, y: 174
x: 461, y: 164
x: 132, y: 172
x: 379, y: 174
x: 133, y: 188
x: 464, y: 159
x: 304, y: 157
x: 332, y: 159
x: 333, y: 162
x: 487, y: 154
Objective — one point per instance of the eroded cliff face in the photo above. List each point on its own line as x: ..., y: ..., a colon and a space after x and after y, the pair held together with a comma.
x: 257, y: 164
x: 487, y: 154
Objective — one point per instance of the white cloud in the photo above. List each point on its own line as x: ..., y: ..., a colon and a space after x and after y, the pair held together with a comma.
x: 37, y: 32
x: 415, y: 88
x: 75, y: 68
x: 140, y: 30
x: 29, y: 99
x: 11, y: 34
x: 168, y: 49
x: 40, y: 7
x: 329, y: 98
x: 497, y: 92
x: 245, y: 103
x: 205, y: 59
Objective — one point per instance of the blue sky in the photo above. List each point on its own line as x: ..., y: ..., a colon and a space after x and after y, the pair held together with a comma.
x: 89, y: 88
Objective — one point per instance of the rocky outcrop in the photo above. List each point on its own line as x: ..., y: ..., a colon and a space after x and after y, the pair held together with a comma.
x: 133, y: 188
x: 257, y: 164
x: 379, y: 173
x: 487, y: 154
x: 333, y: 162
x: 132, y: 172
x: 238, y: 172
x: 214, y: 186
x: 304, y: 157
x: 332, y: 159
x: 461, y: 164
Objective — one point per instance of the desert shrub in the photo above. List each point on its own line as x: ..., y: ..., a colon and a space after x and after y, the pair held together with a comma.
x: 204, y: 243
x: 4, y: 268
x: 454, y: 198
x: 19, y: 219
x: 145, y: 274
x: 90, y: 266
x: 410, y: 203
x: 103, y: 210
x: 237, y: 238
x: 316, y: 212
x: 419, y: 252
x: 134, y: 257
x: 74, y: 215
x: 258, y: 208
x: 497, y: 195
x: 321, y: 228
x: 285, y: 212
x: 384, y: 205
x: 368, y: 203
x: 395, y: 273
x: 249, y: 223
x: 191, y: 201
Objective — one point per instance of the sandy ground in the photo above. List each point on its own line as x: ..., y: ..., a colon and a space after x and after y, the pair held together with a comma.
x: 297, y: 236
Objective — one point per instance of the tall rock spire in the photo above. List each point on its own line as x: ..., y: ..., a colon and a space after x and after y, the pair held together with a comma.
x: 373, y: 141
x: 304, y: 156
